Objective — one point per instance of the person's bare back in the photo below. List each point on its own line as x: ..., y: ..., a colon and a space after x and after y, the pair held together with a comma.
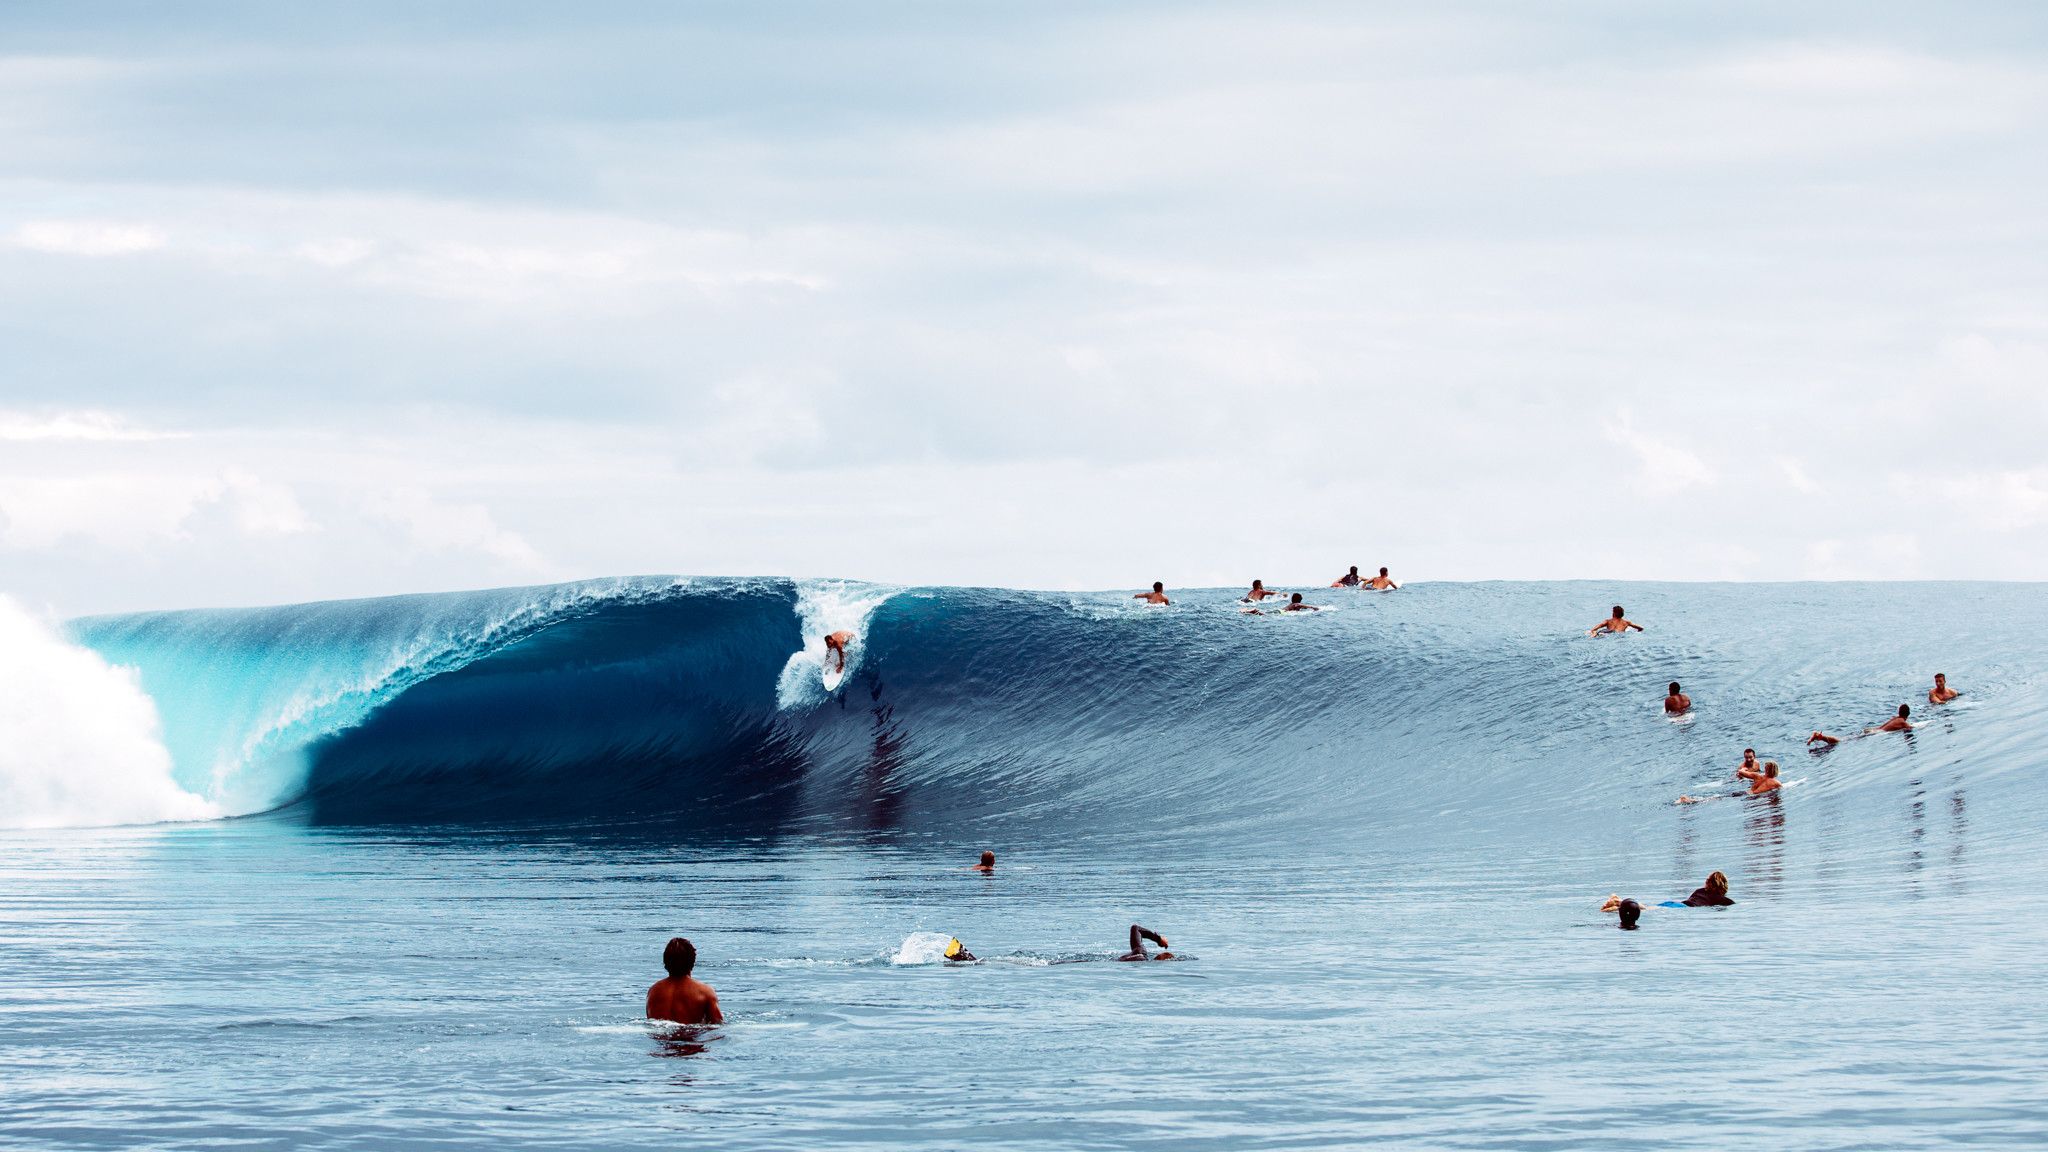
x: 679, y: 997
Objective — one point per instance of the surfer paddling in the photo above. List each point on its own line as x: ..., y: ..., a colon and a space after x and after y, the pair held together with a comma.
x: 1898, y: 723
x: 836, y: 645
x: 1676, y: 703
x: 1156, y: 596
x: 1138, y: 937
x: 1616, y: 624
x: 680, y: 998
x: 1381, y: 582
x: 1259, y: 592
x: 1941, y: 693
x: 987, y: 867
x: 1294, y: 604
x: 1348, y: 580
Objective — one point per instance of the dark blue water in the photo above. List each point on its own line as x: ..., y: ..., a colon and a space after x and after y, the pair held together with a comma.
x: 1380, y: 835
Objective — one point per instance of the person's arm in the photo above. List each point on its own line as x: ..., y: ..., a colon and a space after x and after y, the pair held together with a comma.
x: 1747, y: 773
x: 1633, y: 624
x: 651, y: 1005
x: 1823, y: 738
x: 711, y: 1013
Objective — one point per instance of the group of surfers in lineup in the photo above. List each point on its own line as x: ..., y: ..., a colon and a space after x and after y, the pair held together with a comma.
x: 1762, y: 777
x: 680, y: 998
x: 1260, y: 593
x: 683, y: 999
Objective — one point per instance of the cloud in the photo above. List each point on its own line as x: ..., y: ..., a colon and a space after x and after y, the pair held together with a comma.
x: 136, y: 511
x: 87, y: 238
x: 461, y: 527
x: 81, y: 425
x: 1664, y: 466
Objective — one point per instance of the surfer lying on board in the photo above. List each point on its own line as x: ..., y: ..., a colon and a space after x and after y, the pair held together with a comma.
x: 1897, y: 723
x: 1615, y: 623
x: 1156, y: 596
x: 1677, y: 703
x: 1348, y: 580
x: 679, y: 997
x: 957, y: 953
x: 1381, y: 582
x: 1259, y: 592
x: 1630, y: 911
x: 1294, y: 604
x: 1941, y: 693
x: 836, y: 644
x: 1138, y: 937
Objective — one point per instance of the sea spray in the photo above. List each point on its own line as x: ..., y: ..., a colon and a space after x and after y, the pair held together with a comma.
x: 80, y: 742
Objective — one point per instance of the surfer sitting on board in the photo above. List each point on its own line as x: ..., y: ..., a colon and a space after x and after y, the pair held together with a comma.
x: 1615, y: 623
x: 1156, y: 596
x: 1259, y: 592
x: 1381, y: 582
x: 1677, y: 703
x: 680, y: 998
x: 836, y: 644
x: 1348, y: 580
x: 1138, y: 937
x: 1941, y: 693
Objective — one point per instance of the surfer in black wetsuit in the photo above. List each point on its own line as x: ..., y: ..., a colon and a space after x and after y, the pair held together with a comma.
x: 1348, y: 580
x: 1138, y: 937
x: 1712, y: 894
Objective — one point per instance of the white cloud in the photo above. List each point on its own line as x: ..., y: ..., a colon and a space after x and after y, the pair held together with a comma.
x: 1665, y: 467
x: 81, y: 425
x: 461, y: 527
x: 87, y: 237
x: 135, y: 511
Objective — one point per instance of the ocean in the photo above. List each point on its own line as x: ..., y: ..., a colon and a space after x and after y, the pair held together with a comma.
x: 396, y: 873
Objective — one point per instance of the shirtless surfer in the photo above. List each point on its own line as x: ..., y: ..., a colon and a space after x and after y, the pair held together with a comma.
x: 1749, y: 769
x: 987, y: 867
x: 1294, y: 604
x: 836, y: 644
x: 1898, y: 723
x: 1350, y: 579
x: 1615, y: 623
x: 1676, y: 703
x: 680, y: 998
x: 1768, y: 782
x: 1259, y: 592
x: 1381, y: 582
x: 1156, y: 596
x: 1941, y: 693
x: 1138, y: 937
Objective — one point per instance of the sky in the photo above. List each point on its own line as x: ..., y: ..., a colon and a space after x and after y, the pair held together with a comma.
x: 304, y: 301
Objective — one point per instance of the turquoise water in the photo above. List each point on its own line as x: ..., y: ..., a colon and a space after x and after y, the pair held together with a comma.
x: 1379, y: 836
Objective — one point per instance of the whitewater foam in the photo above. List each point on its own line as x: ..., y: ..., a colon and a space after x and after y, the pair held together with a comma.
x: 822, y: 608
x: 80, y: 741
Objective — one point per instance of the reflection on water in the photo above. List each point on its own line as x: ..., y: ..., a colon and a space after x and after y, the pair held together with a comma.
x: 1764, y: 833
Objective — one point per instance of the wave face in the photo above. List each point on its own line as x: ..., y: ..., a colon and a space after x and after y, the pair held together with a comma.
x: 1439, y: 712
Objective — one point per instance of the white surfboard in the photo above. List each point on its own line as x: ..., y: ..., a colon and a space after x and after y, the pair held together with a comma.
x: 832, y: 678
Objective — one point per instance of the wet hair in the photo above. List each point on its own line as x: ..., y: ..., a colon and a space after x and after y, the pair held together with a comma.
x: 1748, y: 752
x: 988, y: 858
x: 1941, y: 675
x: 1159, y: 585
x: 1257, y: 583
x: 1617, y: 610
x: 1717, y: 884
x: 679, y: 957
x: 1674, y: 687
x: 1630, y: 913
x: 1295, y: 599
x: 1905, y: 710
x: 1771, y: 769
x: 1354, y: 567
x: 1383, y: 570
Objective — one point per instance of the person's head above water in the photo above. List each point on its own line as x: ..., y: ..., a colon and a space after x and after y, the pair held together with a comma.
x: 1905, y: 710
x: 1354, y: 569
x: 679, y: 957
x: 1674, y: 688
x: 1941, y: 677
x: 1717, y: 883
x: 1159, y: 585
x: 988, y: 859
x: 1748, y: 754
x: 1771, y: 769
x: 1383, y: 570
x: 1294, y: 599
x: 1617, y: 611
x: 1258, y: 585
x: 1630, y: 913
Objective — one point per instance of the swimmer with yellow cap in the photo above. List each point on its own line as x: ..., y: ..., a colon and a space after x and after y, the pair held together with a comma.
x: 957, y: 953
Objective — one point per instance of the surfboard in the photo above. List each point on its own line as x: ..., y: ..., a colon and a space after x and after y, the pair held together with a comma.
x: 832, y: 677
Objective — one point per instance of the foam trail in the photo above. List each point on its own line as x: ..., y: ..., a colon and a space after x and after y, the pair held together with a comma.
x: 922, y: 948
x: 824, y: 607
x: 80, y: 743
